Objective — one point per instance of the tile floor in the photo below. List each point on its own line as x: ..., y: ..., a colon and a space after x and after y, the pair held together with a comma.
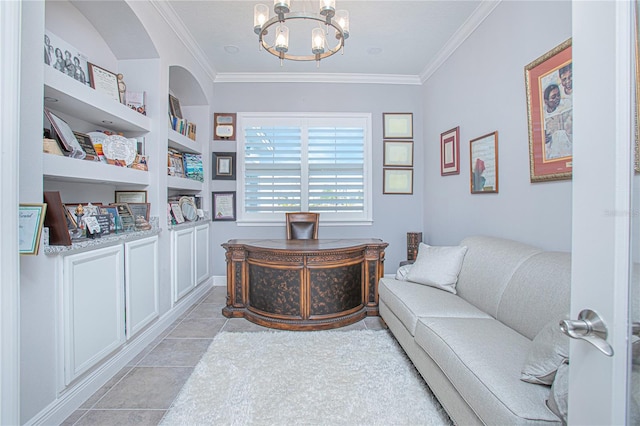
x: 143, y: 391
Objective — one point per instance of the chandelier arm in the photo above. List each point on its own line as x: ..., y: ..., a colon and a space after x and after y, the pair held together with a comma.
x: 301, y: 15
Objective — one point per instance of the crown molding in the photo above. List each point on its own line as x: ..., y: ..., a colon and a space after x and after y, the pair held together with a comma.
x: 173, y: 20
x: 337, y: 78
x: 477, y: 17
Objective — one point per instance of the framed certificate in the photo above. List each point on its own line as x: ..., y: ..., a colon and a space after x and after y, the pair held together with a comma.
x: 224, y: 206
x: 30, y: 227
x: 104, y: 81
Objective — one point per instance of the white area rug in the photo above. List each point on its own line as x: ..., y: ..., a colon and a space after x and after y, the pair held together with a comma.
x: 305, y: 378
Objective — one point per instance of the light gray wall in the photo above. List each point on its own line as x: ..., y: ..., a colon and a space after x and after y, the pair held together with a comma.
x: 481, y: 88
x: 393, y: 215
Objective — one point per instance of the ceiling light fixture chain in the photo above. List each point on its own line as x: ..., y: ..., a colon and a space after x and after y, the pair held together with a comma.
x: 320, y: 48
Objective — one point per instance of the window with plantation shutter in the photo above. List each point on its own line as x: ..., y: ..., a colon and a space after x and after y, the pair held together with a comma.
x: 304, y: 162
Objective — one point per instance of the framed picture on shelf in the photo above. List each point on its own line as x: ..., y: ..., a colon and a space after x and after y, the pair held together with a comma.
x: 484, y: 164
x: 397, y: 181
x: 174, y: 106
x: 397, y: 125
x: 31, y: 219
x: 549, y: 86
x: 224, y: 206
x: 127, y: 220
x: 176, y: 212
x: 398, y: 154
x: 66, y: 136
x: 131, y: 196
x: 115, y: 225
x: 104, y: 81
x: 224, y: 126
x: 87, y: 146
x: 224, y: 166
x: 65, y: 58
x: 140, y: 209
x: 450, y: 152
x: 176, y: 165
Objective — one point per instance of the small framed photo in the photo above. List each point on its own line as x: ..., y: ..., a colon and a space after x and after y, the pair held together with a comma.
x: 450, y: 152
x: 398, y: 154
x: 224, y: 126
x: 131, y: 196
x: 127, y: 220
x: 174, y: 106
x: 224, y: 166
x: 87, y: 146
x: 30, y: 227
x: 115, y: 225
x: 397, y: 125
x: 65, y: 58
x: 104, y: 81
x: 224, y: 206
x: 140, y: 209
x: 549, y: 86
x: 484, y: 164
x: 397, y: 181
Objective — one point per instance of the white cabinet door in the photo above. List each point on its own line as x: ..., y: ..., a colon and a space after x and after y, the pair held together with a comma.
x: 141, y: 283
x: 202, y: 253
x: 93, y: 308
x: 182, y: 248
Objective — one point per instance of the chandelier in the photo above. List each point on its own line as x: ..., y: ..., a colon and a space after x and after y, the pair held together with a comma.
x: 327, y: 18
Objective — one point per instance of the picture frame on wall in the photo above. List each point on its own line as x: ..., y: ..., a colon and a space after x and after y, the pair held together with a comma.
x: 224, y: 206
x: 31, y: 219
x: 398, y: 154
x: 104, y: 81
x: 484, y: 164
x: 224, y: 166
x: 397, y: 181
x: 224, y: 126
x: 397, y: 125
x: 549, y: 87
x: 450, y: 152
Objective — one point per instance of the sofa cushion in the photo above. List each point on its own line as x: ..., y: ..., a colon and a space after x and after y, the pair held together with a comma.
x: 558, y: 401
x: 408, y: 301
x: 437, y: 266
x: 482, y: 358
x: 538, y: 291
x: 487, y: 268
x: 549, y: 350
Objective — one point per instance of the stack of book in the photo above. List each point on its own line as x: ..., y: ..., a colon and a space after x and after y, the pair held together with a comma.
x: 182, y: 126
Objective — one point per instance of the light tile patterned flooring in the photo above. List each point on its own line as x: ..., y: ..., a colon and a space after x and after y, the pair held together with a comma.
x: 142, y: 392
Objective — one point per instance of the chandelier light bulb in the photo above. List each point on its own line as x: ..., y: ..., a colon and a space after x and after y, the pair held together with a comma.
x: 260, y: 16
x: 342, y: 18
x: 282, y: 39
x: 317, y: 41
x: 328, y: 8
x: 281, y: 6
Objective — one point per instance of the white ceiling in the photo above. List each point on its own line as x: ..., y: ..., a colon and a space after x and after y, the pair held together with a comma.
x: 388, y: 39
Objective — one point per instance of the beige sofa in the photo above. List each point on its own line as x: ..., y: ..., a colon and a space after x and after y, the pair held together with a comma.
x: 470, y: 347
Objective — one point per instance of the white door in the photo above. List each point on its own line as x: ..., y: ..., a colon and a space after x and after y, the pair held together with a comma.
x: 602, y: 206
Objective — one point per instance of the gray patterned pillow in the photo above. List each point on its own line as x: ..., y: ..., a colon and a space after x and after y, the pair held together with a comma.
x: 550, y: 348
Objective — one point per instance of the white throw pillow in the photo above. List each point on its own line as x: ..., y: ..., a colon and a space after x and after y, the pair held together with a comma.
x: 558, y: 401
x: 402, y: 272
x: 438, y: 266
x: 550, y: 348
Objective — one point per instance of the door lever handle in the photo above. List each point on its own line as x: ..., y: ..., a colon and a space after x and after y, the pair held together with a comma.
x: 590, y: 328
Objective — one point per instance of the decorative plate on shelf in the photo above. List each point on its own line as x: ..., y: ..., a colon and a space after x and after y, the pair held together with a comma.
x: 188, y: 208
x: 117, y: 147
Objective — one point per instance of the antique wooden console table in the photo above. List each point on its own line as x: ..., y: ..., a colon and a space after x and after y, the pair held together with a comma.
x: 303, y: 284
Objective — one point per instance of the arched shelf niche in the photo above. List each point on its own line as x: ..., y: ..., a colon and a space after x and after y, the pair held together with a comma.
x: 130, y: 40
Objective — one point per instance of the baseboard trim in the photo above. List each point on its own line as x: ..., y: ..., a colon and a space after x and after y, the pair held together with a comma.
x: 71, y: 398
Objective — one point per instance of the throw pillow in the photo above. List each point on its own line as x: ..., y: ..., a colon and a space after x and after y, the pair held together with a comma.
x: 559, y: 394
x: 402, y: 272
x: 438, y: 266
x: 550, y: 348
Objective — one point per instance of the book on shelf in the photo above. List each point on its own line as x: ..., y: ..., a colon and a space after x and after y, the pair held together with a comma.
x: 182, y: 126
x: 136, y: 101
x: 193, y: 166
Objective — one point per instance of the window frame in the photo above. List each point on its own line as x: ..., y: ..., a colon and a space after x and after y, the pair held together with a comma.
x: 303, y: 119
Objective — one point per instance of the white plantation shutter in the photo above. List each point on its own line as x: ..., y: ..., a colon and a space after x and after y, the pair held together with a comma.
x: 336, y: 169
x: 304, y: 162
